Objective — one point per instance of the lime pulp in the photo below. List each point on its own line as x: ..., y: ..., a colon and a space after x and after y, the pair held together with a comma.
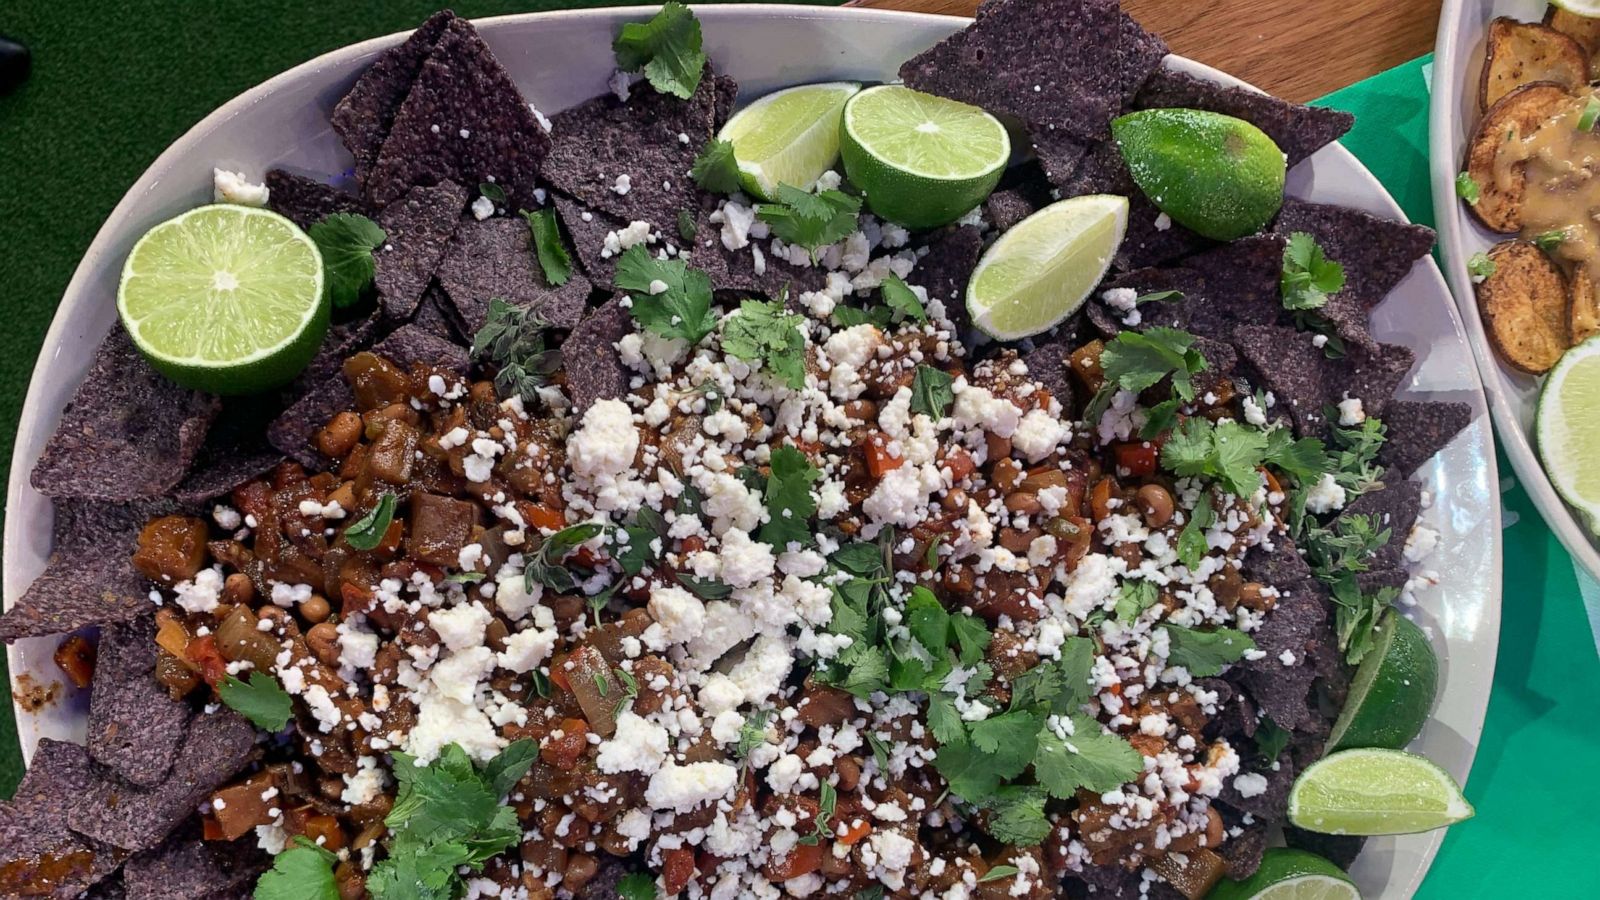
x: 1373, y: 792
x: 788, y: 137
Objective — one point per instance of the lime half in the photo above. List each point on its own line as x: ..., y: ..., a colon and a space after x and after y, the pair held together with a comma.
x: 1217, y: 175
x: 1393, y: 690
x: 1042, y: 270
x: 922, y: 161
x: 1369, y: 792
x: 225, y: 298
x: 1568, y: 429
x: 1289, y: 875
x: 788, y: 137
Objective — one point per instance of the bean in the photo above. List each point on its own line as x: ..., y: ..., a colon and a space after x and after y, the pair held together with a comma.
x: 581, y: 869
x: 238, y: 589
x: 955, y: 500
x: 861, y: 410
x: 998, y: 447
x: 1025, y: 502
x: 1251, y: 597
x: 315, y: 609
x: 1155, y: 502
x: 323, y: 640
x: 849, y: 772
x: 1006, y: 474
x: 1226, y: 587
x: 1130, y: 554
x: 339, y: 436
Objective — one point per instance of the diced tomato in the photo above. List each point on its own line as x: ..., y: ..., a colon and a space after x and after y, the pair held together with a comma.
x: 880, y: 460
x: 803, y: 859
x: 677, y: 870
x: 541, y: 516
x: 853, y: 832
x: 959, y: 462
x: 588, y: 558
x: 202, y: 651
x: 1139, y: 459
x: 558, y: 674
x: 357, y: 599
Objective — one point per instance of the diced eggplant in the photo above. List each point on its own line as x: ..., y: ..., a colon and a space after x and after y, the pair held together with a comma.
x: 440, y: 527
x: 171, y: 549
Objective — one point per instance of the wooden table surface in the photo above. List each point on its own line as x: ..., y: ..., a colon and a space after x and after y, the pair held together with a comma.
x: 1297, y: 49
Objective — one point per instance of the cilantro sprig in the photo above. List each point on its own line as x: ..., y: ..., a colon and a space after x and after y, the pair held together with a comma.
x: 545, y: 567
x: 1135, y: 360
x: 302, y: 872
x: 347, y: 242
x: 900, y: 303
x: 763, y: 332
x: 812, y: 221
x: 1205, y: 653
x: 669, y: 298
x: 716, y: 169
x: 667, y: 48
x: 261, y: 700
x: 1309, y: 277
x: 932, y: 392
x: 790, y: 504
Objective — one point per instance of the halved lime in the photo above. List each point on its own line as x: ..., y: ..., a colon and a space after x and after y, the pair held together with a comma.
x: 922, y: 161
x: 225, y: 298
x: 1587, y: 8
x: 1370, y: 792
x: 1289, y: 875
x: 1393, y: 690
x: 1217, y: 175
x: 1568, y: 430
x: 788, y: 137
x: 1042, y: 270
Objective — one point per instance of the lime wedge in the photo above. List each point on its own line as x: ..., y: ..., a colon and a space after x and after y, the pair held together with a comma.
x: 922, y: 161
x: 1042, y: 270
x: 1393, y: 689
x: 1289, y: 875
x: 225, y: 298
x: 1370, y: 792
x: 1587, y: 8
x: 788, y: 137
x: 1217, y: 175
x: 1568, y: 431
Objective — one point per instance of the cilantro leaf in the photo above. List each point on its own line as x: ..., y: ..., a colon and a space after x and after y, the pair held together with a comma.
x: 1356, y: 616
x: 1134, y: 361
x: 944, y: 720
x: 1018, y: 816
x: 1088, y: 759
x: 303, y: 872
x: 681, y: 310
x: 861, y: 559
x: 763, y: 332
x: 866, y: 670
x: 931, y: 392
x: 998, y: 872
x: 367, y: 532
x: 262, y: 700
x: 899, y: 296
x: 637, y: 886
x: 812, y: 221
x: 1304, y: 460
x: 1204, y: 653
x: 1271, y: 739
x: 347, y: 242
x: 509, y: 766
x: 716, y: 169
x: 753, y: 733
x: 1134, y: 597
x: 927, y: 620
x: 1057, y: 687
x: 1344, y: 546
x: 971, y: 636
x: 788, y: 498
x: 970, y: 772
x: 668, y: 49
x: 547, y: 246
x: 1309, y: 277
x: 1229, y: 453
x: 1192, y: 545
x: 850, y: 316
x: 1009, y: 739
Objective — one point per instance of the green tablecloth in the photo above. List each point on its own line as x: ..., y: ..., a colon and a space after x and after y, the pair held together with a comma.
x: 109, y: 92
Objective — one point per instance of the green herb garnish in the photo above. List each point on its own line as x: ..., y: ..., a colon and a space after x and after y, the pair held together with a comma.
x: 1309, y: 277
x: 347, y: 242
x: 1480, y: 266
x: 637, y: 886
x: 669, y: 298
x: 261, y: 700
x: 1204, y: 653
x: 1134, y: 361
x: 812, y: 221
x: 512, y: 339
x: 302, y: 872
x: 547, y: 246
x: 716, y: 169
x: 931, y: 392
x: 494, y: 193
x: 788, y: 498
x: 763, y: 332
x: 544, y: 566
x: 367, y: 532
x: 667, y: 48
x: 1467, y: 189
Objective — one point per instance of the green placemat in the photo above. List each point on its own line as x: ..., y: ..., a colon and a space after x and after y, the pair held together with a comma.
x: 110, y: 92
x: 1535, y: 827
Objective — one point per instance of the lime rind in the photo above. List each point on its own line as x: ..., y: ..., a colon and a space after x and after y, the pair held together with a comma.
x: 1392, y: 692
x: 1373, y: 792
x: 1287, y: 874
x: 1568, y: 432
x: 926, y: 136
x: 1045, y: 267
x: 788, y: 137
x: 225, y: 298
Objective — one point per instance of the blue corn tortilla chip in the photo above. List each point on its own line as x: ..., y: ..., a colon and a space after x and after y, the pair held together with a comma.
x: 1272, y: 803
x: 1111, y: 882
x: 1241, y: 853
x: 1023, y: 190
x: 111, y: 887
x: 1055, y: 65
x: 588, y: 229
x: 88, y: 580
x: 1396, y: 508
x: 306, y: 202
x: 1419, y: 429
x: 219, y: 745
x: 135, y: 727
x: 1173, y: 313
x: 127, y: 434
x: 1047, y: 364
x: 362, y: 118
x: 1280, y: 681
x: 1376, y: 253
x: 292, y: 430
x: 235, y: 451
x: 1151, y: 238
x: 1059, y: 155
x: 651, y: 140
x: 1299, y: 131
x: 437, y: 316
x: 1305, y: 382
x: 1283, y: 564
x: 1339, y: 849
x: 1241, y: 285
x: 417, y: 228
x: 464, y: 121
x: 494, y: 258
x: 344, y: 340
x: 185, y: 867
x: 599, y: 373
x: 39, y: 854
x: 947, y: 267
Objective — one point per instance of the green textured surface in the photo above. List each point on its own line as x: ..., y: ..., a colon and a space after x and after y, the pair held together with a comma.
x: 109, y: 92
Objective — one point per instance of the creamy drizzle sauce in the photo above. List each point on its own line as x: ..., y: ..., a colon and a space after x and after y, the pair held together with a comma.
x: 1561, y: 167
